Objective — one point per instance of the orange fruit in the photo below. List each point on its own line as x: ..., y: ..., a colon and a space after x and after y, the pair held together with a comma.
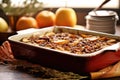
x: 26, y: 22
x: 45, y: 18
x: 66, y: 17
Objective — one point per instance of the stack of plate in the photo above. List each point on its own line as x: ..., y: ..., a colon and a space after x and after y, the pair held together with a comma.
x: 102, y: 21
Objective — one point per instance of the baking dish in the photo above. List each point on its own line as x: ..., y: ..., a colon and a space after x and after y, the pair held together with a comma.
x: 54, y: 58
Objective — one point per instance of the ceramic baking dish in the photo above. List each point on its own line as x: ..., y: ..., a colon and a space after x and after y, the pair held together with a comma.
x: 54, y: 58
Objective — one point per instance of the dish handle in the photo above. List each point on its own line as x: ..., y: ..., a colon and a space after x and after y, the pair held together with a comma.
x: 114, y: 47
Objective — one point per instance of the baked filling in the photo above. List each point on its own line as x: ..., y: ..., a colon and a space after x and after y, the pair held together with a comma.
x: 73, y: 43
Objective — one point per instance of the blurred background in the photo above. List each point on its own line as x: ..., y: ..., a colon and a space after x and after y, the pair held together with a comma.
x: 82, y: 7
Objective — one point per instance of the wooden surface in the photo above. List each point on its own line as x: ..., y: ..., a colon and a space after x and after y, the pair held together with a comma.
x: 7, y: 73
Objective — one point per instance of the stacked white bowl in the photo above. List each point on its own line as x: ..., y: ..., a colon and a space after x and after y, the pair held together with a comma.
x: 102, y: 21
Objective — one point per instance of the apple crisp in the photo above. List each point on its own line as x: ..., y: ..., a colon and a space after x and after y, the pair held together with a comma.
x: 73, y: 43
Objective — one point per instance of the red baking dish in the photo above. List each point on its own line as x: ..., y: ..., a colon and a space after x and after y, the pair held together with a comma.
x: 64, y: 61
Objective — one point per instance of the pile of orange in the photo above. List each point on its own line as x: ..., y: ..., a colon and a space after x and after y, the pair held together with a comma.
x: 45, y: 18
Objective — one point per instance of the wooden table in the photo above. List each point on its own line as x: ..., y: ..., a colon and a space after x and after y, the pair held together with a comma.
x: 6, y: 73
